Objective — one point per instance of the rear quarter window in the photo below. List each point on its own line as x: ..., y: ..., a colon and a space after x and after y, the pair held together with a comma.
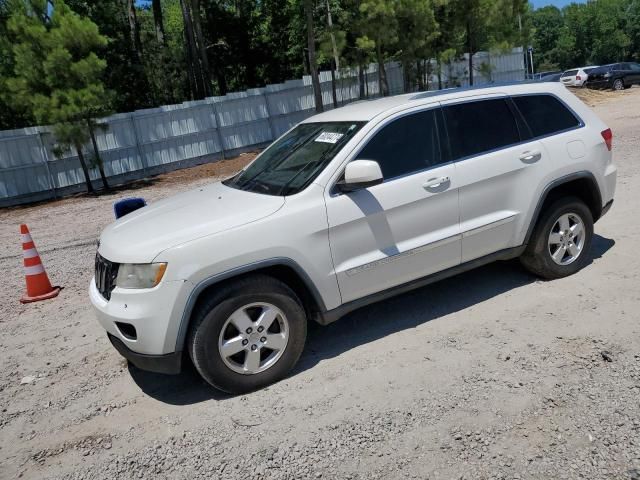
x: 545, y: 114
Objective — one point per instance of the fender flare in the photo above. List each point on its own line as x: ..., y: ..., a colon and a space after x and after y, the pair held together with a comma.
x: 234, y: 272
x: 584, y: 174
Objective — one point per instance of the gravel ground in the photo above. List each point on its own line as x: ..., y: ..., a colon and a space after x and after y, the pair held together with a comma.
x: 492, y: 374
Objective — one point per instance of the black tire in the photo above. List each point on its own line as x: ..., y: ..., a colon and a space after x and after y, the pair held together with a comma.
x: 537, y: 256
x: 213, y: 312
x: 618, y: 84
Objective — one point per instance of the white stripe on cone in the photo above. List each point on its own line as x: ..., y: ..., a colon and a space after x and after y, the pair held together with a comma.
x: 26, y: 237
x: 32, y: 252
x: 34, y: 270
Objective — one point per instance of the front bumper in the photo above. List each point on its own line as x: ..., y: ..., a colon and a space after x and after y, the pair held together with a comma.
x: 155, y: 313
x: 170, y: 363
x: 606, y: 208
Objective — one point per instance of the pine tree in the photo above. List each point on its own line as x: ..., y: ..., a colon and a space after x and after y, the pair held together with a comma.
x: 57, y: 74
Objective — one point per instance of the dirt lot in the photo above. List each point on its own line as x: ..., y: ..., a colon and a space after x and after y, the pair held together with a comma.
x: 492, y: 374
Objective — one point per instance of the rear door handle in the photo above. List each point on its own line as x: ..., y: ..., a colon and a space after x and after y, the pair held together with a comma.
x: 436, y: 182
x: 530, y: 156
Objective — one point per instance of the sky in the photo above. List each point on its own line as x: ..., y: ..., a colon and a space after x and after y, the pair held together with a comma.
x: 557, y: 3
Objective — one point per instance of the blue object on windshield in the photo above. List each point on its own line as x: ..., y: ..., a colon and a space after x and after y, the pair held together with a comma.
x: 127, y: 205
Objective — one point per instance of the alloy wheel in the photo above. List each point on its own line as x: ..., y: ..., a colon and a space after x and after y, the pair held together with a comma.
x: 566, y: 239
x: 253, y: 338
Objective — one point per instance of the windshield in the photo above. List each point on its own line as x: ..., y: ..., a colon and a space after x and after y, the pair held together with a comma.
x: 291, y: 163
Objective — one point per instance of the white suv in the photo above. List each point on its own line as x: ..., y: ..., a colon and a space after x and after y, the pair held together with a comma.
x: 576, y: 77
x: 347, y: 208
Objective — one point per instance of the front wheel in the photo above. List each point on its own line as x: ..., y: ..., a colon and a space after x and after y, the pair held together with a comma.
x: 618, y: 84
x: 561, y: 240
x: 248, y: 334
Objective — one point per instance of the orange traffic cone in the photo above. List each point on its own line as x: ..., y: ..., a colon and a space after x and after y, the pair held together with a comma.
x: 38, y: 285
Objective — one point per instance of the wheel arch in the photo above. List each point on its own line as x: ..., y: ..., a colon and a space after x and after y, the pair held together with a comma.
x: 283, y: 269
x: 579, y: 184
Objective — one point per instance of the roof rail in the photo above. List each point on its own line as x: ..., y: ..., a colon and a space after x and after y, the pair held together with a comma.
x: 444, y: 91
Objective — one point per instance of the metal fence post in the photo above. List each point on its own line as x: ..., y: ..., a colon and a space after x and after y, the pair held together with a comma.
x: 218, y: 128
x: 269, y: 119
x: 143, y: 159
x: 45, y: 159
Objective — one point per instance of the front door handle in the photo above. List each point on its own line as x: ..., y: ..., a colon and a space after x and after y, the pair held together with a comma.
x: 436, y: 182
x: 530, y: 156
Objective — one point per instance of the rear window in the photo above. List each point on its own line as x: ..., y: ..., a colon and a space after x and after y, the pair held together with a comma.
x: 569, y: 73
x: 481, y: 126
x: 545, y: 114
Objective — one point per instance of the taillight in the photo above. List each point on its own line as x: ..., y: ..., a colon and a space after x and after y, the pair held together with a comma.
x: 608, y: 138
x: 578, y: 77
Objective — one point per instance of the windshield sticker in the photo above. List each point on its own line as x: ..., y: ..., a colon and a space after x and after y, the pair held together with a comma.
x: 329, y: 137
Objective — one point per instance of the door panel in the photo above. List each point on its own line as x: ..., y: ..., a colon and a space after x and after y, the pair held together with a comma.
x: 394, y: 232
x: 496, y: 191
x: 498, y: 174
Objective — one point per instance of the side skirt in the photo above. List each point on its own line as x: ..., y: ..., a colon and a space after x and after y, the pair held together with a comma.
x: 330, y: 316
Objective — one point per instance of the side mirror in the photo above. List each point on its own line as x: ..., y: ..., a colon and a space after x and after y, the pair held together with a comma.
x: 360, y: 174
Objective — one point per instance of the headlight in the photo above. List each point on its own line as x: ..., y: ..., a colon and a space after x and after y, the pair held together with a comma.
x: 607, y: 75
x: 140, y: 275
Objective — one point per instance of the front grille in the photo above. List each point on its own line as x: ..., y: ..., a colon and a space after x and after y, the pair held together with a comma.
x: 106, y: 273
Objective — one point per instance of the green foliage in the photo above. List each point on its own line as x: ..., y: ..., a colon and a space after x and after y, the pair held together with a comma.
x: 598, y: 32
x: 57, y: 72
x: 253, y: 43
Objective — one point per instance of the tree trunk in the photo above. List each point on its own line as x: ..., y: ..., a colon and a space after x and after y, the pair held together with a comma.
x: 192, y: 51
x: 202, y: 48
x: 96, y: 153
x: 366, y: 83
x: 191, y: 74
x: 439, y: 75
x: 333, y: 38
x: 85, y: 170
x: 333, y: 85
x: 382, y: 73
x: 311, y: 45
x: 470, y: 47
x: 134, y: 29
x: 222, y: 82
x: 361, y: 82
x: 157, y: 20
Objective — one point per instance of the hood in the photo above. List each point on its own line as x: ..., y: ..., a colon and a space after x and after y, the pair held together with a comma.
x: 141, y: 235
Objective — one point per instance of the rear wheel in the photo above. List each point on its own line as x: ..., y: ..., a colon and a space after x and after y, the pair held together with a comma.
x: 618, y: 84
x: 561, y: 240
x: 248, y: 334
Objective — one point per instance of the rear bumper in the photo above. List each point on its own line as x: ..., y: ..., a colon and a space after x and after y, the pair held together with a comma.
x: 170, y: 363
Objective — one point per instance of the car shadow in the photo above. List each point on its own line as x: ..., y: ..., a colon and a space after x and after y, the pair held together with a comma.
x: 367, y: 324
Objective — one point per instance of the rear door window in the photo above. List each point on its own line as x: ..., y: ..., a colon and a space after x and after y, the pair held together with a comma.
x: 406, y: 145
x: 545, y: 114
x: 480, y: 126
